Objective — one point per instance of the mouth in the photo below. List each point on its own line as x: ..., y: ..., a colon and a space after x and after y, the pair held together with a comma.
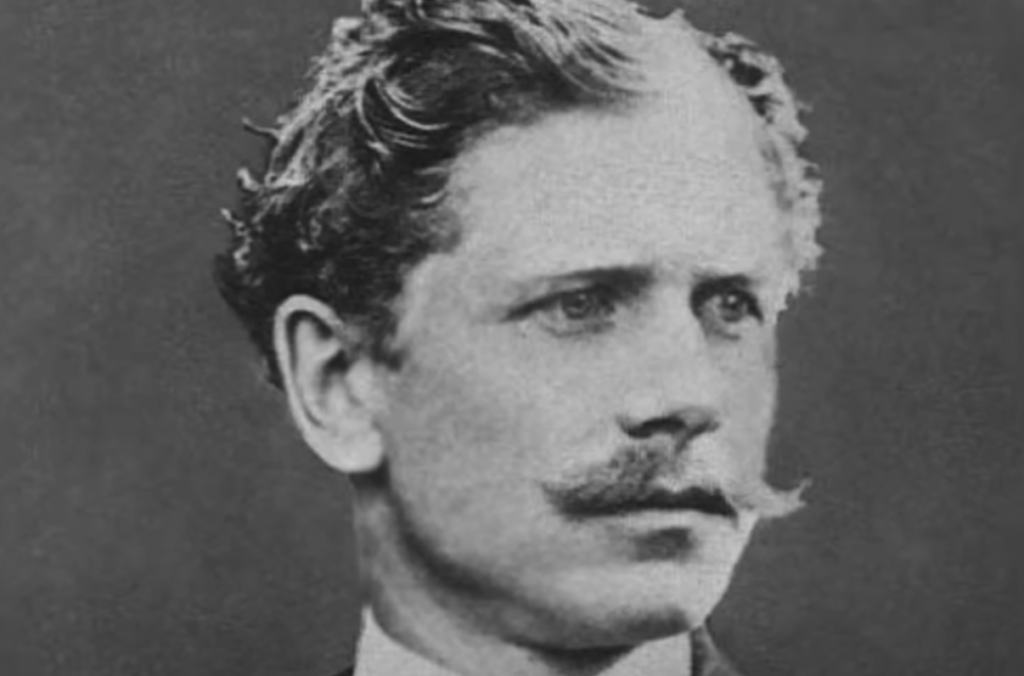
x: 693, y: 499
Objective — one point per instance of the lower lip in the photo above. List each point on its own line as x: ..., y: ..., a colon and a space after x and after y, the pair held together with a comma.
x: 673, y: 518
x: 667, y: 535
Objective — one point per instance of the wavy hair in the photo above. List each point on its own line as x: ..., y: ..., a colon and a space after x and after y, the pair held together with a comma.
x: 347, y: 201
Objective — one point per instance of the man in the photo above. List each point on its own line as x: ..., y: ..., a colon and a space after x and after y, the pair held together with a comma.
x: 518, y: 267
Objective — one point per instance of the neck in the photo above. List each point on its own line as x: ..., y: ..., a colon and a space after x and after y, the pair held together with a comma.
x: 462, y: 635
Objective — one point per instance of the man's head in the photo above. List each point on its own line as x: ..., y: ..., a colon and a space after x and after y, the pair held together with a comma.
x: 518, y: 266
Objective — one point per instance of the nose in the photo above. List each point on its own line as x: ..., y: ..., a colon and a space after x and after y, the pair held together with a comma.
x: 676, y: 388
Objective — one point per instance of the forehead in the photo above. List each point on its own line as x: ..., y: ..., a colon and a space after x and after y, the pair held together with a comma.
x: 678, y: 179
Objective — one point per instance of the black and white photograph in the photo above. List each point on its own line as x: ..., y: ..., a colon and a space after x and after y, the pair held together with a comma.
x: 511, y: 338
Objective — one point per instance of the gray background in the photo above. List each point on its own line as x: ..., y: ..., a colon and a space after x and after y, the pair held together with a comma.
x: 158, y: 516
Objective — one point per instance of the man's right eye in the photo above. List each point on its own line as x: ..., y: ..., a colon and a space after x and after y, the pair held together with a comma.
x: 582, y: 311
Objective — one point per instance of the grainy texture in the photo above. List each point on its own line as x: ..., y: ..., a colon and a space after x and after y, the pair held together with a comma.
x: 158, y: 516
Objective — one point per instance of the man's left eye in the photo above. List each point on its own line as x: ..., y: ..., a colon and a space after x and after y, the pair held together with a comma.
x: 724, y: 309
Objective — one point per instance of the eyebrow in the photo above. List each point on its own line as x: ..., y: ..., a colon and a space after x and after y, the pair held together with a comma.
x: 625, y: 276
x: 708, y: 276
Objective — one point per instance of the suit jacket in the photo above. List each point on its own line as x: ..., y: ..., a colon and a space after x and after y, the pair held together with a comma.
x: 708, y: 660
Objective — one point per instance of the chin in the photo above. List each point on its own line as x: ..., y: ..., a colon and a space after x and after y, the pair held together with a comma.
x: 601, y: 609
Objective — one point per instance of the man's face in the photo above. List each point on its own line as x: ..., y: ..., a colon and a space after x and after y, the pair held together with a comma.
x: 601, y: 340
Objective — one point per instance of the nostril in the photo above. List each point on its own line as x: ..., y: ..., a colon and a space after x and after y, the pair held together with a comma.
x: 689, y: 424
x: 646, y: 429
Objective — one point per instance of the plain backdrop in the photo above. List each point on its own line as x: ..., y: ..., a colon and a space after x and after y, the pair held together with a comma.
x: 159, y: 517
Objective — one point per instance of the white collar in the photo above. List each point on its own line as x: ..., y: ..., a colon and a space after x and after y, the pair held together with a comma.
x: 380, y: 655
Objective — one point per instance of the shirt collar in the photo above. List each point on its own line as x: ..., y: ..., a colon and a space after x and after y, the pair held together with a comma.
x: 708, y: 660
x: 380, y: 655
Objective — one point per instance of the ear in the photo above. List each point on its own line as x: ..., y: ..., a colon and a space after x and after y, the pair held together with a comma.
x: 334, y: 391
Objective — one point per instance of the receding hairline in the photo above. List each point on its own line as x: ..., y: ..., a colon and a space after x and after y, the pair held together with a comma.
x: 329, y: 216
x: 678, y: 75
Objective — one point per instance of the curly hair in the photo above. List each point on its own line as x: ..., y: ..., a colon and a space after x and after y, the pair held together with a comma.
x: 357, y: 168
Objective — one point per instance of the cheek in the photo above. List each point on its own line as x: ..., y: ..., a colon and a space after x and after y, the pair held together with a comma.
x: 468, y: 427
x: 533, y: 410
x: 752, y: 399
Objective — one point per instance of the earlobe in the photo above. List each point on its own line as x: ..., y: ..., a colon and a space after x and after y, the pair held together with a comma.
x: 331, y: 387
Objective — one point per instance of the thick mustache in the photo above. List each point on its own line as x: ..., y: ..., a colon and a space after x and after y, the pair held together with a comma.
x: 644, y: 477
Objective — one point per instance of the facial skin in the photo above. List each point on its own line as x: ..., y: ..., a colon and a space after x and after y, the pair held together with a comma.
x: 613, y: 299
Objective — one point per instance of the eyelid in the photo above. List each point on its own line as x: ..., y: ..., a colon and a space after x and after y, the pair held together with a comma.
x: 614, y: 290
x: 711, y: 287
x: 548, y: 301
